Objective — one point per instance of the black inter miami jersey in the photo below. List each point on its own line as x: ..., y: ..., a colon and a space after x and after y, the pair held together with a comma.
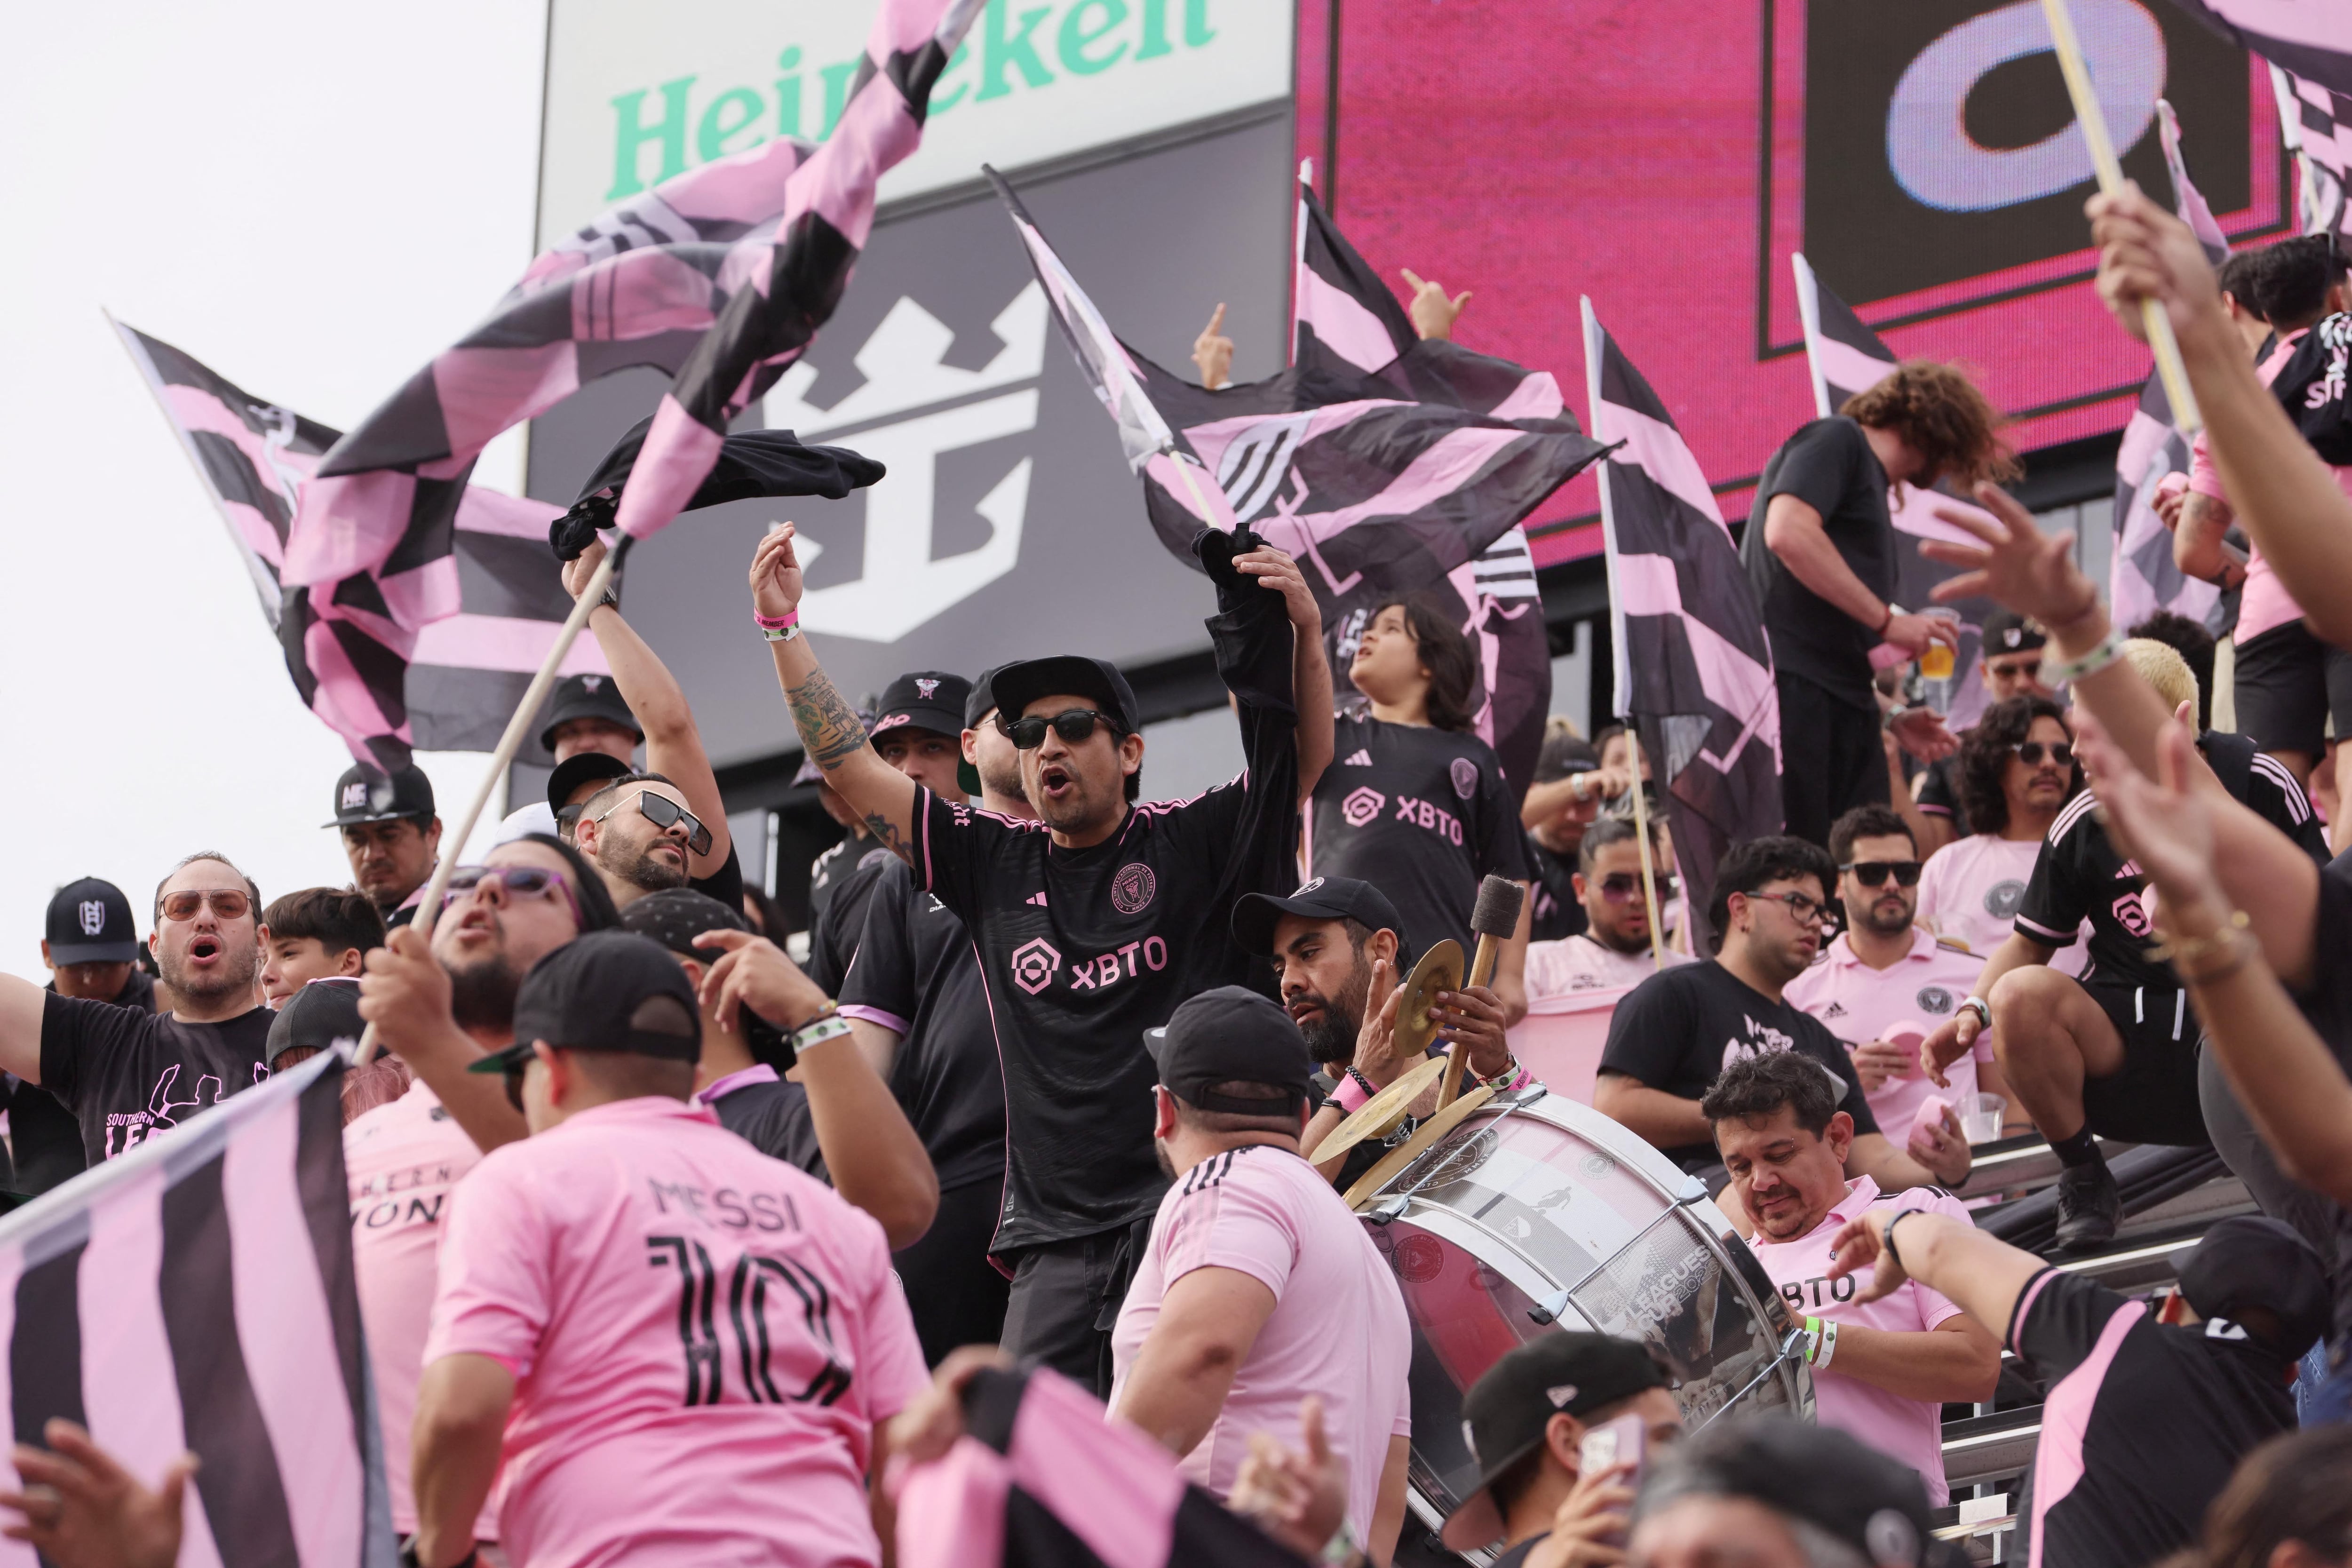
x: 2078, y: 874
x: 1083, y: 950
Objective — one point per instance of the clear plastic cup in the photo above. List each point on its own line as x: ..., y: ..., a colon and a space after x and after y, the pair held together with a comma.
x: 1982, y: 1125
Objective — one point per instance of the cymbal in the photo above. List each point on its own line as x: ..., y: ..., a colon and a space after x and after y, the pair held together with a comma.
x: 1440, y: 969
x: 1378, y: 1116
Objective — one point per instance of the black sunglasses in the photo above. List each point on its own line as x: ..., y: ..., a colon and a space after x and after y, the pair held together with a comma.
x: 1874, y: 873
x: 1619, y: 886
x: 2030, y: 753
x: 1072, y: 725
x: 662, y: 812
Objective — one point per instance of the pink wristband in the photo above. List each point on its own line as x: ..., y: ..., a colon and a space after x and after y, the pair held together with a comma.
x: 1351, y: 1096
x: 776, y: 622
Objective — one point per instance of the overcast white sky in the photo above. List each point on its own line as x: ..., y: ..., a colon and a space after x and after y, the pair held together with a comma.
x: 312, y: 198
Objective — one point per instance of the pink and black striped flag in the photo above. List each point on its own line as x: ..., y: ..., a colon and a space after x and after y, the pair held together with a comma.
x: 1412, y: 474
x: 2312, y: 38
x: 1041, y: 1479
x: 198, y: 1294
x: 447, y: 683
x: 2316, y: 124
x: 1694, y: 667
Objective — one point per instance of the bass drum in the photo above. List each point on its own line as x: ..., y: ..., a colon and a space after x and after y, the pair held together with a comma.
x: 1535, y: 1211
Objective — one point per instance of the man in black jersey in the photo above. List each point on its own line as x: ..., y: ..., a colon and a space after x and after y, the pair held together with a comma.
x: 1093, y: 923
x: 2115, y: 1053
x: 1821, y: 549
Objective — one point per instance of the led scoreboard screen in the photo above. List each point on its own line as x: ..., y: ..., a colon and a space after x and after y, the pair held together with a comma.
x: 1668, y: 157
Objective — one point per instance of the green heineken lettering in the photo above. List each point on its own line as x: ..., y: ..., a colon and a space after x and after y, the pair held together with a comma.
x: 1197, y: 30
x: 1196, y: 22
x: 838, y: 82
x: 1075, y: 36
x: 999, y: 52
x: 631, y: 133
x: 788, y: 92
x: 729, y: 115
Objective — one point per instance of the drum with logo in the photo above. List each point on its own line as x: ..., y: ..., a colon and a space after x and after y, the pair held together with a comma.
x: 1537, y: 1212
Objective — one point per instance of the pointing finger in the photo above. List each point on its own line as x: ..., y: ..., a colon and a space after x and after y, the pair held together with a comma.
x: 1216, y: 321
x: 1413, y: 277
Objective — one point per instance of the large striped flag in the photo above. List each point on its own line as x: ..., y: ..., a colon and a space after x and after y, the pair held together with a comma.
x: 1410, y: 478
x: 2316, y: 124
x: 1041, y: 1479
x: 1694, y: 667
x: 197, y: 1294
x: 2312, y: 38
x: 446, y: 685
x: 1846, y: 358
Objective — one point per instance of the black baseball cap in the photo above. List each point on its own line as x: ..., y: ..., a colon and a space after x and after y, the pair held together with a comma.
x: 1255, y: 915
x: 317, y: 1017
x: 676, y: 916
x: 2006, y: 631
x: 928, y: 699
x: 1016, y: 685
x: 1231, y: 1034
x: 1874, y: 1504
x: 1505, y: 1413
x: 1563, y: 754
x: 367, y: 795
x: 2254, y: 1260
x: 574, y: 771
x: 587, y: 696
x: 607, y: 991
x: 90, y: 922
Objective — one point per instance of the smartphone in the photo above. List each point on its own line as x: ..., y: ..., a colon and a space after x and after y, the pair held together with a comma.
x: 1616, y: 1442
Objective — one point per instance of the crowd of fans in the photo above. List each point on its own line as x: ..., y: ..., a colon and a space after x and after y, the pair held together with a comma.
x: 631, y: 1188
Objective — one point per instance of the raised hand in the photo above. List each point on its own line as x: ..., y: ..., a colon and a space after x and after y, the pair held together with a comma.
x: 1433, y: 313
x: 1376, y: 1052
x: 2017, y: 564
x: 1476, y: 1018
x: 2146, y: 252
x: 776, y: 573
x: 1862, y: 1244
x: 1300, y: 1499
x: 1588, y: 1528
x: 1212, y: 351
x: 752, y: 971
x: 579, y: 570
x: 406, y: 993
x: 1280, y: 572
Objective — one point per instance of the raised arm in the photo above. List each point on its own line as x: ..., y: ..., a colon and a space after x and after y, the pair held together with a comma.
x: 1310, y: 667
x: 2198, y: 547
x: 1981, y: 1276
x: 21, y: 1005
x: 673, y: 744
x: 828, y: 726
x: 2285, y: 496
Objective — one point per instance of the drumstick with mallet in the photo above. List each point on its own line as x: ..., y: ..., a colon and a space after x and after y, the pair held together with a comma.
x: 1495, y: 919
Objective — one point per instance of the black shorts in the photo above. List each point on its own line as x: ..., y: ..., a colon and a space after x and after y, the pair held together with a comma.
x: 2153, y: 1097
x: 2289, y: 683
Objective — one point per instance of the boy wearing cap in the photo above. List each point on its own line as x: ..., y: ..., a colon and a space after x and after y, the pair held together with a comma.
x: 1091, y: 924
x: 1259, y: 1287
x: 2149, y: 1405
x: 1772, y: 1491
x: 567, y: 1356
x: 391, y: 836
x: 1526, y: 1418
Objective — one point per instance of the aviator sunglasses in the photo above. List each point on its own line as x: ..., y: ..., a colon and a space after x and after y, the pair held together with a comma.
x: 228, y: 903
x: 1072, y: 725
x: 662, y: 812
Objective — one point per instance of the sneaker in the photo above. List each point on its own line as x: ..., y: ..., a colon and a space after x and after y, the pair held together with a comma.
x: 2089, y: 1206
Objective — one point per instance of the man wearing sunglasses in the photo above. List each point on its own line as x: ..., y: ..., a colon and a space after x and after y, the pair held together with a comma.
x: 1094, y: 923
x: 1673, y: 1036
x: 128, y: 1074
x: 641, y: 837
x: 1613, y: 950
x: 2016, y: 773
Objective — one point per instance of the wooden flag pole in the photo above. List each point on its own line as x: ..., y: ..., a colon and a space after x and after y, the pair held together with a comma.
x: 2094, y: 121
x: 1642, y: 837
x: 454, y: 845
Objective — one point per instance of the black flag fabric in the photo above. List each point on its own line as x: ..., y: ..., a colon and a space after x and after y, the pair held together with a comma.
x: 750, y: 463
x: 2312, y: 38
x: 1412, y: 477
x: 1694, y: 667
x: 2316, y: 124
x: 197, y: 1293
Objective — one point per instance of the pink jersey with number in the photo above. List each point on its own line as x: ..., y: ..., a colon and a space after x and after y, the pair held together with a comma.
x: 702, y: 1340
x: 1860, y: 1005
x: 1910, y: 1430
x: 403, y: 1160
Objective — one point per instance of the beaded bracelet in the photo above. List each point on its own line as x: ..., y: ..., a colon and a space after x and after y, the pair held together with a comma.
x: 2177, y: 952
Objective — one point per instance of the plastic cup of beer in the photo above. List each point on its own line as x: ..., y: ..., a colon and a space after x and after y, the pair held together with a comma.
x: 1936, y: 664
x: 1982, y: 1125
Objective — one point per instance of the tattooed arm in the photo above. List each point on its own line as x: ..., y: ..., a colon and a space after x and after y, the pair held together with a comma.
x: 828, y: 726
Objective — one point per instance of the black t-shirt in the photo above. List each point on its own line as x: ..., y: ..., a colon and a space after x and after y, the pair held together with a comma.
x: 773, y: 1118
x: 1678, y: 1029
x: 46, y: 1136
x: 725, y: 884
x: 127, y: 1075
x: 1829, y: 467
x: 917, y: 972
x: 1557, y: 913
x: 839, y: 884
x: 1083, y: 950
x: 1938, y: 793
x: 2078, y: 875
x: 1421, y: 814
x: 2149, y: 1419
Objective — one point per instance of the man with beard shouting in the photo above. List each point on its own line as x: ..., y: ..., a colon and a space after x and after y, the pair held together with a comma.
x: 128, y: 1074
x: 639, y: 833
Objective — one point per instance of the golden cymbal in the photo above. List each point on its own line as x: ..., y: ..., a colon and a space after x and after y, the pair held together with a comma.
x: 1440, y: 969
x: 1377, y: 1117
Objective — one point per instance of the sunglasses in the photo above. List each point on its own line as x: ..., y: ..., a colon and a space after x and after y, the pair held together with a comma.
x: 2030, y: 753
x: 517, y: 881
x: 1620, y: 886
x: 664, y: 812
x: 1874, y: 873
x: 228, y: 903
x: 1072, y: 725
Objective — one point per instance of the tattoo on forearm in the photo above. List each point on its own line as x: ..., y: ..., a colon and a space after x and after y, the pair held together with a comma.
x: 887, y: 837
x: 828, y: 726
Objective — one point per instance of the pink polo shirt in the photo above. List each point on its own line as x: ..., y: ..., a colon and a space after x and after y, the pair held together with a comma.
x: 702, y: 1338
x: 1970, y: 891
x: 1579, y: 963
x: 1338, y: 1330
x: 1860, y: 1005
x: 401, y: 1160
x: 1910, y: 1430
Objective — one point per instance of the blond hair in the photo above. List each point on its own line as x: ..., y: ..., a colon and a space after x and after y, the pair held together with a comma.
x: 2162, y: 666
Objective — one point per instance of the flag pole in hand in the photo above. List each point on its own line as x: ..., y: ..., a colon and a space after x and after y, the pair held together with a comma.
x: 2094, y: 121
x: 1642, y: 837
x: 510, y: 743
